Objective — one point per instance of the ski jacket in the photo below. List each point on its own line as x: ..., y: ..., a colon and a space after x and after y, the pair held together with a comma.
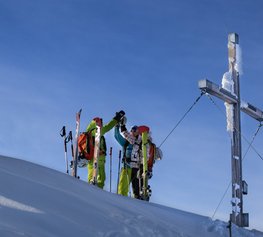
x: 127, y: 148
x: 93, y: 127
x: 104, y: 129
x: 136, y: 154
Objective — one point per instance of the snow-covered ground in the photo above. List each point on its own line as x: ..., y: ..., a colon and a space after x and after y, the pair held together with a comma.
x: 36, y: 201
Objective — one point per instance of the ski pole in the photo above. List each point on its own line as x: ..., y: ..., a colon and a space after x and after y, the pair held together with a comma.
x: 119, y: 164
x: 110, y: 166
x: 119, y: 171
x: 63, y: 134
x: 70, y: 138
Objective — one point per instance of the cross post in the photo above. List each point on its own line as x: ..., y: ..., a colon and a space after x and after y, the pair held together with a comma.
x: 231, y: 97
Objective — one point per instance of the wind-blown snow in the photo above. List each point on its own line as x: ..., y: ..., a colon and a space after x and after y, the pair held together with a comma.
x: 6, y: 202
x: 37, y: 201
x: 228, y: 84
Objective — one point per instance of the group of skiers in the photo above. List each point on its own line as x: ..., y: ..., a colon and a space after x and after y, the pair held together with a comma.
x: 135, y: 144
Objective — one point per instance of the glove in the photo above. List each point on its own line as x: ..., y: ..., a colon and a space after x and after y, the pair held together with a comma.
x: 123, y: 128
x: 119, y: 115
x: 149, y: 174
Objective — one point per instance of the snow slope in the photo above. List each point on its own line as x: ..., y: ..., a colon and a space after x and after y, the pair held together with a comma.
x: 36, y: 201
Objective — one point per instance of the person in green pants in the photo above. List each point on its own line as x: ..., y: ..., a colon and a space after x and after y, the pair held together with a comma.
x: 125, y: 176
x: 101, y: 176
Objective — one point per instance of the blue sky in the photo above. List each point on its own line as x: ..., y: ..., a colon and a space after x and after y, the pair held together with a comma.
x: 145, y: 58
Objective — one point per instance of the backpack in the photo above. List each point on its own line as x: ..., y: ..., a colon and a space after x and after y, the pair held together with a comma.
x: 86, y: 145
x: 155, y: 153
x: 151, y: 154
x: 143, y: 129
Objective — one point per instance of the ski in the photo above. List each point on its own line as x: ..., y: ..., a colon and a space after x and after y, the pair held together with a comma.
x: 96, y: 155
x: 75, y: 157
x: 145, y: 191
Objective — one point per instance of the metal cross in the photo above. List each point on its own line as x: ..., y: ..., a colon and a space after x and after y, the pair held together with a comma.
x: 239, y: 186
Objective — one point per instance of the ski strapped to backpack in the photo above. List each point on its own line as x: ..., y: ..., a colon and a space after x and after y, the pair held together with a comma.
x: 145, y: 191
x: 150, y: 154
x: 96, y: 155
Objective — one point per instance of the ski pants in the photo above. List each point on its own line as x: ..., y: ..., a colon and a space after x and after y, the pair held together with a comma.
x: 101, y: 176
x: 136, y: 182
x: 125, y: 180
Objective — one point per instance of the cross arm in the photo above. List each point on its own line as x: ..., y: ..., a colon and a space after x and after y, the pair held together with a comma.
x: 213, y: 89
x: 252, y: 111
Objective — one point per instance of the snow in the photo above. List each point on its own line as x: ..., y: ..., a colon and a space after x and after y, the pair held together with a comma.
x: 6, y: 202
x: 243, y: 104
x: 228, y: 84
x: 38, y: 201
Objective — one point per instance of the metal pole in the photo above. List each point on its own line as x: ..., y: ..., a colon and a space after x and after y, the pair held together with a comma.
x: 236, y: 154
x: 71, y: 141
x: 70, y: 138
x: 229, y: 226
x: 110, y: 166
x: 63, y: 134
x: 119, y: 171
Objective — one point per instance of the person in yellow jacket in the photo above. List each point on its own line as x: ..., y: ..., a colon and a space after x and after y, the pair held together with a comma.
x: 101, y: 176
